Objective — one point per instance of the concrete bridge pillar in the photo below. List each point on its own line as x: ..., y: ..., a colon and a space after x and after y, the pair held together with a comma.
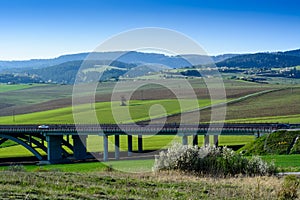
x: 79, y: 146
x: 105, y: 147
x: 184, y: 140
x: 117, y: 147
x: 216, y: 140
x: 206, y: 140
x: 54, y: 148
x: 258, y: 134
x: 129, y: 144
x: 195, y: 140
x: 140, y: 143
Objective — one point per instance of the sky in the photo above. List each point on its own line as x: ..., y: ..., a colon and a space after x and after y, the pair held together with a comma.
x: 50, y: 28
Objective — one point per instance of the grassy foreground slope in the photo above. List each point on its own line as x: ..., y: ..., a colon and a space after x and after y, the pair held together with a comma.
x: 113, y: 185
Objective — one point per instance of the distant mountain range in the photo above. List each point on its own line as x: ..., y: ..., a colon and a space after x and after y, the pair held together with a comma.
x: 63, y: 69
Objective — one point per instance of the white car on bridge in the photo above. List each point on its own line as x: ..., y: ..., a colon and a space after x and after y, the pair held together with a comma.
x: 43, y: 126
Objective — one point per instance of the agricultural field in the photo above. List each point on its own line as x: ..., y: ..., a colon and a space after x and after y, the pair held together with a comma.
x: 56, y: 99
x: 6, y: 88
x: 293, y: 119
x: 276, y: 106
x: 138, y: 109
x: 22, y: 99
x: 51, y: 98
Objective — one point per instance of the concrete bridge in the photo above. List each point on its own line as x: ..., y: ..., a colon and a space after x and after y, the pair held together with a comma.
x: 54, y: 139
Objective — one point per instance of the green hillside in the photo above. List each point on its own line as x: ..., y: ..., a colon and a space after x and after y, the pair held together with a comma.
x: 281, y: 142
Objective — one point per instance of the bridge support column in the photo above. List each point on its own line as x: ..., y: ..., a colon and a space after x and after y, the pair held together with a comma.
x: 195, y: 140
x: 105, y: 147
x: 79, y: 146
x: 129, y: 144
x: 140, y: 143
x: 206, y: 140
x: 216, y: 140
x: 54, y: 148
x: 184, y: 140
x: 117, y: 147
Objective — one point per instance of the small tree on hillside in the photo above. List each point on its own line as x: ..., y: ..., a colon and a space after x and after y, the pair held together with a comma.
x: 123, y: 101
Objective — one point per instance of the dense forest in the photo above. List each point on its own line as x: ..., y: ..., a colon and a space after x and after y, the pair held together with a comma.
x: 261, y: 60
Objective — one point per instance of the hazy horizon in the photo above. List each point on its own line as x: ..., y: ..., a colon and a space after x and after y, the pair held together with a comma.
x: 71, y: 53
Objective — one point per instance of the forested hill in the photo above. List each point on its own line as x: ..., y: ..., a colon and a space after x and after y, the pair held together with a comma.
x: 291, y: 53
x: 263, y: 60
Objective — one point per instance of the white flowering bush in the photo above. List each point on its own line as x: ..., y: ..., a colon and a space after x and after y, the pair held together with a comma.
x: 210, y: 160
x: 257, y: 166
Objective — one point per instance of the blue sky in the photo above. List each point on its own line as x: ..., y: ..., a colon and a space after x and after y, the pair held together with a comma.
x: 49, y: 28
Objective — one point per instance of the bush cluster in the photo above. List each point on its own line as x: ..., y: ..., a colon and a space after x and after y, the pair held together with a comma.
x: 210, y: 160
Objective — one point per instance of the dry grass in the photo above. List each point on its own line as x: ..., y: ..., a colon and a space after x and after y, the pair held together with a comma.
x: 239, y: 187
x: 116, y: 185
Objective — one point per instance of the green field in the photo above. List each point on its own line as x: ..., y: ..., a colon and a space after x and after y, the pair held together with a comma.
x: 121, y: 165
x: 138, y: 110
x: 288, y: 163
x: 285, y: 163
x: 31, y: 94
x: 6, y: 88
x: 294, y: 119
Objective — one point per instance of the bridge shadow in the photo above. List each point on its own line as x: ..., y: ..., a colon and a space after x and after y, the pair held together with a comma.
x: 30, y: 160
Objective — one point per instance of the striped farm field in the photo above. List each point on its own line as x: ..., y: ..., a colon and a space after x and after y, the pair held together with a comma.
x: 293, y: 119
x: 107, y: 112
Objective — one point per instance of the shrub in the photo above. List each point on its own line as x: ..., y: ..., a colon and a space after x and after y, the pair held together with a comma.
x: 289, y: 188
x: 213, y: 161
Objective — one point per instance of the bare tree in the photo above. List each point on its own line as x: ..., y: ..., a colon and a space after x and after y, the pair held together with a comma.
x: 123, y: 101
